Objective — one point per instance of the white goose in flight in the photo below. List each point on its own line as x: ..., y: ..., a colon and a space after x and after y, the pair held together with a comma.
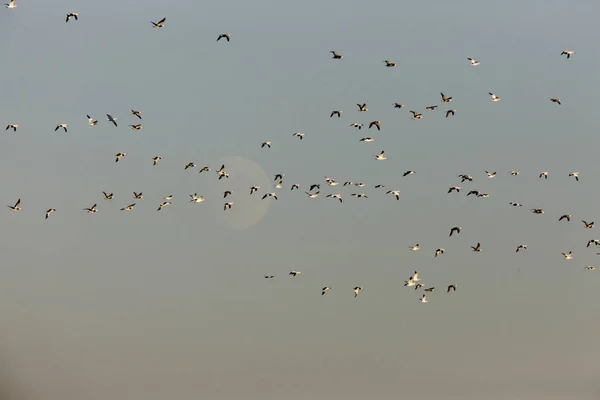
x: 325, y: 290
x: 49, y: 211
x: 156, y: 159
x: 423, y: 299
x: 494, y: 97
x: 72, y: 15
x: 473, y: 62
x: 567, y: 53
x: 416, y: 247
x: 575, y: 175
x: 395, y: 193
x: 93, y: 209
x: 12, y: 126
x: 163, y: 205
x: 357, y: 289
x: 568, y: 256
x: 439, y: 251
x: 63, y: 126
x: 312, y: 195
x: 335, y: 196
x: 381, y: 156
x: 11, y: 4
x: 91, y: 121
x: 299, y: 135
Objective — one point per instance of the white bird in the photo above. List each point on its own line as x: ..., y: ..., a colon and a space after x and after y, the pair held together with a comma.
x: 356, y: 125
x: 163, y: 205
x: 474, y: 62
x: 331, y: 182
x: 544, y: 175
x: 63, y: 126
x: 227, y: 206
x: 416, y: 115
x: 295, y: 273
x: 590, y: 268
x: 299, y: 135
x: 253, y: 189
x: 118, y: 156
x: 136, y: 113
x: 395, y: 193
x: 128, y: 208
x: 409, y: 283
x: 267, y: 143
x: 439, y: 251
x: 568, y: 256
x: 454, y: 188
x: 50, y: 211
x: 312, y: 195
x: 521, y: 247
x: 196, y: 199
x: 72, y: 15
x: 423, y: 299
x: 356, y: 290
x: 490, y: 175
x: 272, y: 194
x: 515, y: 204
x: 91, y: 121
x: 224, y: 36
x: 12, y: 126
x: 221, y: 173
x: 138, y: 196
x: 416, y: 247
x: 494, y: 97
x: 567, y: 53
x: 367, y: 139
x: 156, y: 159
x: 11, y: 4
x: 325, y: 290
x: 415, y: 277
x: 575, y: 175
x: 359, y: 195
x: 335, y: 196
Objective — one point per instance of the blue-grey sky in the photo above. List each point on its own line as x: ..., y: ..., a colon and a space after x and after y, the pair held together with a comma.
x: 150, y: 305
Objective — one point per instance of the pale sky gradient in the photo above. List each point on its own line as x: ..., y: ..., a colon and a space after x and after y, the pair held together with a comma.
x: 147, y: 305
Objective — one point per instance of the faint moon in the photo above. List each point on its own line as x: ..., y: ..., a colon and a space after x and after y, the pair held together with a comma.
x: 247, y: 210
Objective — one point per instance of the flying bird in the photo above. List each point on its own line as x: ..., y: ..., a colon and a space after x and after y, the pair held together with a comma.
x: 588, y: 225
x: 398, y: 105
x: 92, y: 209
x: 138, y: 196
x: 11, y: 4
x: 295, y: 273
x: 450, y: 112
x: 118, y: 156
x: 108, y: 196
x: 423, y: 299
x: 567, y: 53
x: 380, y: 156
x: 521, y: 247
x: 91, y: 121
x: 224, y: 36
x: 12, y: 126
x: 473, y: 62
x: 227, y: 206
x: 362, y: 107
x: 456, y: 230
x: 494, y: 97
x: 336, y: 55
x: 136, y: 113
x: 128, y: 208
x: 357, y: 289
x: 16, y: 207
x: 445, y: 99
x: 543, y: 175
x: 335, y: 196
x: 63, y: 126
x: 324, y: 290
x: 575, y: 175
x: 395, y: 193
x: 451, y: 288
x: 156, y: 159
x: 439, y: 252
x: 389, y: 64
x: 112, y: 119
x: 163, y: 205
x: 555, y: 100
x: 299, y: 135
x: 272, y: 194
x: 568, y: 256
x: 136, y: 127
x: 72, y: 15
x: 268, y: 144
x: 356, y: 125
x: 159, y: 24
x: 565, y: 216
x: 49, y: 211
x: 377, y: 124
x: 477, y: 248
x: 416, y: 115
x: 336, y: 112
x: 189, y: 165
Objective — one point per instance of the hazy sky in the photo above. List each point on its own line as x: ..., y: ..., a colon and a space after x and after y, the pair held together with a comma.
x: 173, y: 304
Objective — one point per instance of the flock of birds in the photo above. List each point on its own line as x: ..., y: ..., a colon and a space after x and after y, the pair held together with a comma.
x: 314, y: 190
